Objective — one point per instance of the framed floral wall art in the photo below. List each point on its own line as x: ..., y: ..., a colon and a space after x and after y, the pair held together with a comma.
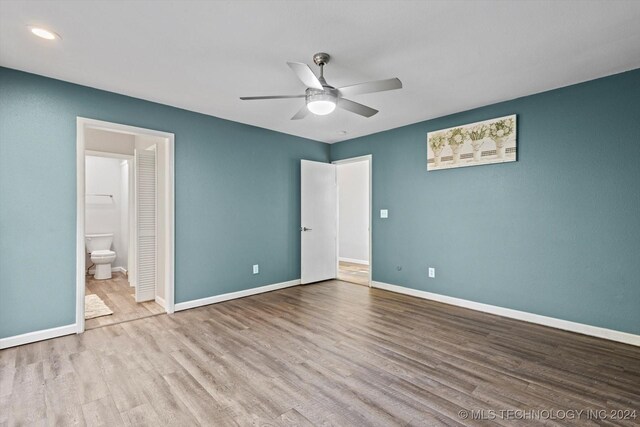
x: 482, y: 143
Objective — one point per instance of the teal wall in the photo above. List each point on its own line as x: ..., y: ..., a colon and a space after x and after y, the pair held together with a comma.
x: 237, y: 197
x: 556, y: 233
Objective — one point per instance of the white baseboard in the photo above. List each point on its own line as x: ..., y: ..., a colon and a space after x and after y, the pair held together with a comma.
x: 354, y: 260
x: 580, y: 328
x: 37, y: 336
x: 160, y: 302
x: 233, y: 295
x: 113, y: 270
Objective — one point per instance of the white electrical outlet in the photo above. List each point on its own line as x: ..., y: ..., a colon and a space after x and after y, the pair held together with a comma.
x: 432, y: 272
x: 384, y: 213
x: 256, y: 269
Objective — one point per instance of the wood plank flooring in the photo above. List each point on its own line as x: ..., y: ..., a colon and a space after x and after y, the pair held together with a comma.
x: 330, y: 354
x: 353, y: 273
x: 120, y: 298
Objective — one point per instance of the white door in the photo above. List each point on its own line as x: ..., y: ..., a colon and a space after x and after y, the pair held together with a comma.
x: 146, y: 219
x: 318, y: 221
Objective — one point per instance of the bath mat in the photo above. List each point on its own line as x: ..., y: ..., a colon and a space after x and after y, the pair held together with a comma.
x: 95, y: 307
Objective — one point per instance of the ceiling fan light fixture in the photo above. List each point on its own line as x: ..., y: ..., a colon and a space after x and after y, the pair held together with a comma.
x: 321, y: 108
x: 321, y: 103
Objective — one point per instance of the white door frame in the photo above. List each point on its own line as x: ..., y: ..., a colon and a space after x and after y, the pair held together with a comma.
x: 366, y: 158
x: 83, y: 124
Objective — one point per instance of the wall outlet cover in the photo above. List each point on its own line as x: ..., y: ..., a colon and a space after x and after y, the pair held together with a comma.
x: 432, y: 272
x: 256, y: 269
x: 384, y: 213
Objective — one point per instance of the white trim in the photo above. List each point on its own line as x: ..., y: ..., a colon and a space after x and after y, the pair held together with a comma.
x: 82, y: 124
x: 80, y: 208
x: 108, y: 155
x: 160, y: 301
x: 353, y: 260
x: 131, y: 250
x: 233, y: 295
x: 366, y: 158
x: 170, y: 260
x: 580, y: 328
x: 30, y: 337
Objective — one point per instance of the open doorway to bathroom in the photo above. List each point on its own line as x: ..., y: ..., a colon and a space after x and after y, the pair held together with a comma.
x: 125, y: 223
x: 354, y: 220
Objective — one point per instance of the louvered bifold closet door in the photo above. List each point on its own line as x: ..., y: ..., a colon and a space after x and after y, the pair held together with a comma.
x: 146, y: 220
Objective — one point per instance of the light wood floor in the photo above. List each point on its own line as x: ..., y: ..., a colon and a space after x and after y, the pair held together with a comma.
x: 322, y: 354
x: 120, y: 298
x: 353, y: 273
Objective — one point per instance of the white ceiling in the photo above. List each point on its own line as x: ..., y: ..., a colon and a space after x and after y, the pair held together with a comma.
x: 450, y: 55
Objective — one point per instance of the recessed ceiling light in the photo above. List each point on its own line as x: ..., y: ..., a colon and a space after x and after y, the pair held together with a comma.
x: 43, y: 33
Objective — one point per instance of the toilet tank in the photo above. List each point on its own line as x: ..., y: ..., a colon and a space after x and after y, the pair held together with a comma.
x: 97, y: 242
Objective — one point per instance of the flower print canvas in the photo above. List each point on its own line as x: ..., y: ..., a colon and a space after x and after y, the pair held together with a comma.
x: 482, y: 143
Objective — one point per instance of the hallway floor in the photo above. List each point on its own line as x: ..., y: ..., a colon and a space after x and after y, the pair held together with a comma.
x: 353, y: 273
x: 120, y: 298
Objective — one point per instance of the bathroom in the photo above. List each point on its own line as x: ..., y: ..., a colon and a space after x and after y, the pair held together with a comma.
x: 110, y: 234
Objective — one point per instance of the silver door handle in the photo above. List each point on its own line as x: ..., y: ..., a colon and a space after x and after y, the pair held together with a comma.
x: 305, y: 229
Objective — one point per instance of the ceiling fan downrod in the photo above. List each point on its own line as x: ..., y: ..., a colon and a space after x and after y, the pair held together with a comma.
x: 321, y: 59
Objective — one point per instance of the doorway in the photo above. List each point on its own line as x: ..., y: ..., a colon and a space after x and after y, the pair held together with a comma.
x: 320, y: 255
x: 354, y: 220
x: 125, y: 240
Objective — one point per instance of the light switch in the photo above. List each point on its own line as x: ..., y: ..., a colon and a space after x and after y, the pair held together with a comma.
x: 384, y: 213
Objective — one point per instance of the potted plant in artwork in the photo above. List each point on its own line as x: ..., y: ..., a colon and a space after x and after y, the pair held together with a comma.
x: 437, y: 141
x: 477, y: 135
x: 500, y: 132
x: 455, y: 138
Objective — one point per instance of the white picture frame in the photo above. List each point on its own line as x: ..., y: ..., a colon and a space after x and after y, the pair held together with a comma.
x: 481, y: 143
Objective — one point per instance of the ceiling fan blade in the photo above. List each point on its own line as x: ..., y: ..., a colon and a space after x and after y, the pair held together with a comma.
x: 253, y: 98
x: 305, y: 74
x: 369, y: 87
x: 354, y: 107
x: 301, y: 114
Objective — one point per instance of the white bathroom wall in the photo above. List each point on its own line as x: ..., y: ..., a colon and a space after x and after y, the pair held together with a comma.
x: 104, y: 214
x: 353, y: 190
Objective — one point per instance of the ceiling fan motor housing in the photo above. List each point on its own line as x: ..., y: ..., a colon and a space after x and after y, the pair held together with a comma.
x: 328, y: 94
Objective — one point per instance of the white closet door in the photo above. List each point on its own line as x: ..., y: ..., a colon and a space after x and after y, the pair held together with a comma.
x: 146, y: 220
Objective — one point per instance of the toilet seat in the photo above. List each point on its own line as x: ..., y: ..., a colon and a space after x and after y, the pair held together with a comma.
x: 102, y: 254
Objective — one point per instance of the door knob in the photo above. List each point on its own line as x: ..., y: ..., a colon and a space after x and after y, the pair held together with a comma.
x: 305, y: 229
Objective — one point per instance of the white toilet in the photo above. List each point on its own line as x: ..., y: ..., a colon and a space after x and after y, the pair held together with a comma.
x: 99, y: 246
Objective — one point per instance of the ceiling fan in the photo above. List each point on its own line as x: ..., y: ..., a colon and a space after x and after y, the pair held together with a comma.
x: 322, y: 98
